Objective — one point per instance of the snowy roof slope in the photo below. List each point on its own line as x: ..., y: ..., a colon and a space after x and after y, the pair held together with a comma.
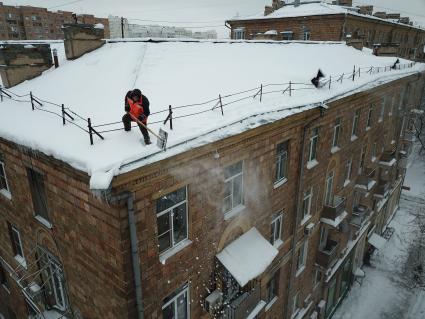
x: 314, y: 9
x: 176, y: 73
x: 248, y: 256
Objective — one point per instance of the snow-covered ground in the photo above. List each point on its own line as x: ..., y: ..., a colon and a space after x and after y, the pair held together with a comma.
x: 381, y: 295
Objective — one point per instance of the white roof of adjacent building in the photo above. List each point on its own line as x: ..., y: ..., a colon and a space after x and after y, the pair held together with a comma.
x: 377, y: 241
x: 314, y: 8
x: 248, y: 256
x: 177, y: 73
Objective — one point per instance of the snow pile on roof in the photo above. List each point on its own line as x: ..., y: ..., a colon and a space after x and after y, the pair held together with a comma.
x: 377, y: 241
x: 176, y: 73
x: 99, y: 26
x: 271, y: 32
x: 248, y: 256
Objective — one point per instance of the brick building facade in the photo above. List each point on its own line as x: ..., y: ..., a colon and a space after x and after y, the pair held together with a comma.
x: 34, y: 23
x: 323, y: 22
x: 314, y: 187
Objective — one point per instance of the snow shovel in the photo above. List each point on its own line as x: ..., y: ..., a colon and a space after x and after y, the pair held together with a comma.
x: 161, y: 139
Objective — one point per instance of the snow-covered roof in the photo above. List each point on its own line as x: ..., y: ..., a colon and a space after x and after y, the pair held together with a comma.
x: 177, y: 73
x: 314, y: 9
x: 248, y: 256
x: 377, y: 241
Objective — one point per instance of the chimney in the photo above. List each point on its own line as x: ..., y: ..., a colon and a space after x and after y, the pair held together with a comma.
x: 381, y: 14
x: 21, y: 62
x: 82, y: 38
x: 367, y: 10
x: 296, y: 3
x: 276, y: 5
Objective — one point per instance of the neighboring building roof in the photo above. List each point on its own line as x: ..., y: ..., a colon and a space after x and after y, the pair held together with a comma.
x: 248, y: 256
x: 314, y: 9
x: 177, y: 73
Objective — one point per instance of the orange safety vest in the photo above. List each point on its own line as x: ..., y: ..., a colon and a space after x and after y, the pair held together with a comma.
x: 136, y: 108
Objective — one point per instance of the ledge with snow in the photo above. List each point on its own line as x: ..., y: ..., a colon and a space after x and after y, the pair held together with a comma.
x: 177, y: 73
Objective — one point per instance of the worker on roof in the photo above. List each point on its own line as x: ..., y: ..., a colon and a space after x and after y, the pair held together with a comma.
x: 137, y: 107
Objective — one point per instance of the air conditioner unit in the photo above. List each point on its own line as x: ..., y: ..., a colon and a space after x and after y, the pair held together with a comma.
x: 308, y: 230
x: 214, y: 301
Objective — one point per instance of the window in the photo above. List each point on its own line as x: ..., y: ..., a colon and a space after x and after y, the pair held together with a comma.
x: 281, y: 162
x: 306, y: 35
x: 382, y: 113
x: 4, y: 186
x: 287, y: 35
x: 295, y: 308
x: 390, y: 112
x: 307, y: 205
x: 3, y: 277
x: 369, y: 117
x: 15, y: 238
x: 337, y: 132
x: 302, y: 257
x: 374, y: 148
x: 52, y: 274
x: 272, y: 288
x: 176, y: 306
x: 355, y: 128
x: 171, y: 219
x: 276, y: 231
x: 317, y: 277
x: 401, y: 99
x: 38, y: 194
x: 362, y: 159
x: 348, y: 168
x: 329, y: 189
x: 233, y: 187
x: 323, y: 238
x: 313, y: 145
x: 239, y: 34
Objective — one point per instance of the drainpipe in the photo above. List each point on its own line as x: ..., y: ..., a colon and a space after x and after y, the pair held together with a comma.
x: 298, y: 214
x: 129, y: 197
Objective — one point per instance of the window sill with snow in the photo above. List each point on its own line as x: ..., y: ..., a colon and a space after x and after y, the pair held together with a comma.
x: 6, y: 194
x: 279, y: 183
x: 173, y: 251
x: 234, y: 212
x: 312, y: 163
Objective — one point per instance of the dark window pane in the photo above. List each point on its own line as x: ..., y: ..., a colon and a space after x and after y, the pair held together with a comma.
x: 164, y: 242
x: 282, y: 147
x: 180, y: 224
x: 171, y: 199
x: 237, y: 191
x: 182, y: 307
x: 227, y: 188
x: 168, y: 312
x: 38, y: 193
x: 232, y: 170
x: 163, y: 223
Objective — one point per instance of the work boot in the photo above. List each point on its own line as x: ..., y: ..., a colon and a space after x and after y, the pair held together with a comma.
x: 148, y: 141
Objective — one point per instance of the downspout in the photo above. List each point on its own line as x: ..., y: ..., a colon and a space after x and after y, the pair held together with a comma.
x: 343, y: 27
x: 129, y: 197
x: 298, y: 214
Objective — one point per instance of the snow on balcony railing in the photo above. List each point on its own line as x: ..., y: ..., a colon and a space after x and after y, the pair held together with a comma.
x: 165, y: 115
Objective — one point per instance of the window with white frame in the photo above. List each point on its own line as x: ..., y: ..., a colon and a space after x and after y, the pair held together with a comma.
x: 355, y: 127
x: 382, y: 113
x: 374, y: 150
x: 295, y: 307
x: 348, y: 168
x: 317, y: 277
x: 4, y: 185
x: 336, y: 133
x: 239, y: 34
x: 306, y: 35
x: 312, y: 155
x: 233, y: 187
x: 369, y: 117
x: 38, y: 194
x: 272, y: 288
x: 329, y: 188
x: 362, y: 159
x: 308, y: 195
x: 323, y: 237
x: 177, y: 305
x: 281, y: 162
x: 15, y: 238
x: 302, y: 257
x: 276, y: 230
x: 171, y: 218
x: 3, y: 277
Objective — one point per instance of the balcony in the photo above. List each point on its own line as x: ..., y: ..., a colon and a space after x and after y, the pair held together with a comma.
x: 366, y: 180
x: 382, y: 189
x: 335, y: 209
x: 402, y: 163
x: 388, y: 158
x: 243, y: 305
x: 359, y: 215
x: 327, y: 256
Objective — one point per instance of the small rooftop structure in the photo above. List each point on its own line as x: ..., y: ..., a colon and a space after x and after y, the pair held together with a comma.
x: 214, y: 89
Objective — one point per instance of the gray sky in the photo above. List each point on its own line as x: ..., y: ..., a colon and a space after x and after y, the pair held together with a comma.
x: 195, y: 13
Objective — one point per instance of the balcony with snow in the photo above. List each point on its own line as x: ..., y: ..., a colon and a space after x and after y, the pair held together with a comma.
x: 241, y: 264
x: 333, y: 212
x: 388, y: 158
x: 366, y: 181
x: 359, y: 215
x: 327, y: 255
x: 382, y: 189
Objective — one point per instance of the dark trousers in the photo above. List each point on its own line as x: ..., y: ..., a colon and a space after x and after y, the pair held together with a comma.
x: 126, y: 119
